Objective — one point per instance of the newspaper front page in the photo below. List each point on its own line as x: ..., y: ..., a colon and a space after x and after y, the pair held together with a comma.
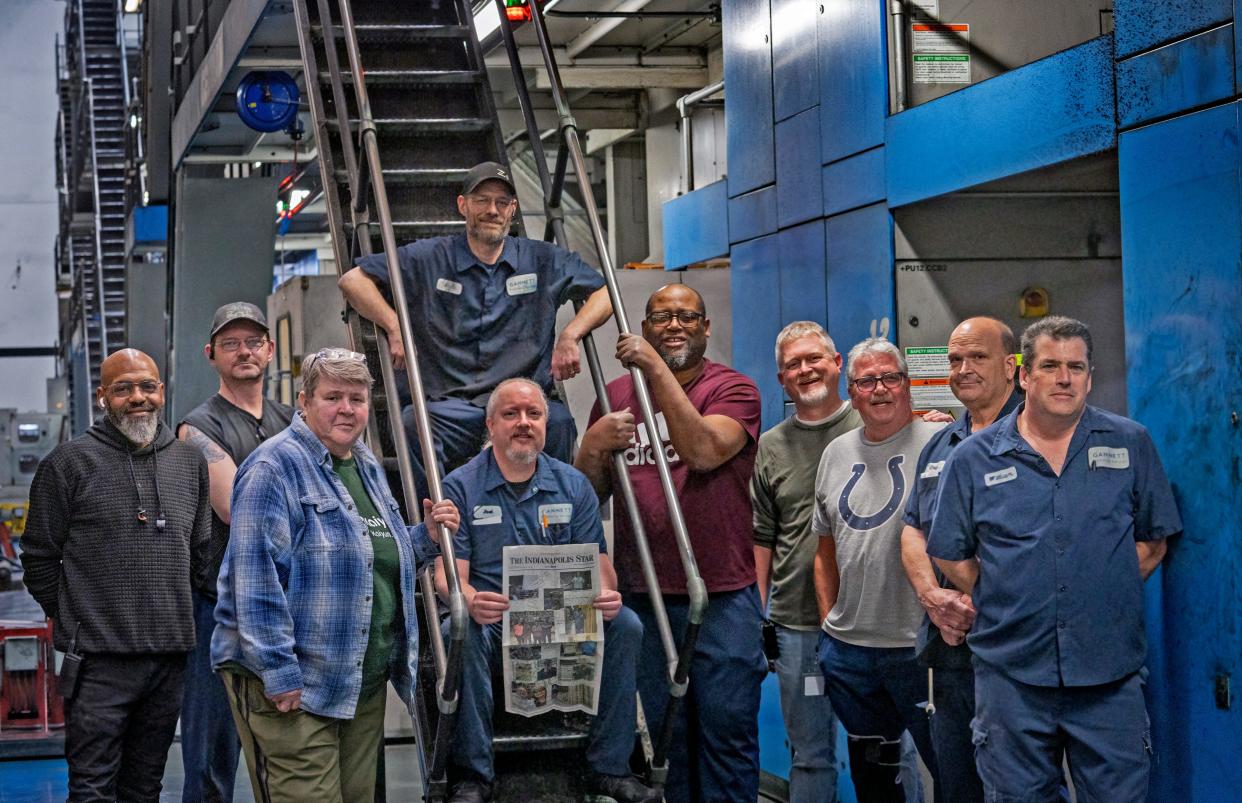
x: 553, y: 634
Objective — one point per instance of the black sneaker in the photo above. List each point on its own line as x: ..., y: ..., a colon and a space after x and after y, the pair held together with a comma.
x: 471, y: 791
x: 621, y: 788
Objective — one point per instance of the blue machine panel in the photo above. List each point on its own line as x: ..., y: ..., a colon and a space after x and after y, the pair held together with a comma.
x: 853, y: 182
x: 853, y: 82
x: 861, y: 295
x: 1043, y: 113
x: 804, y: 286
x: 1181, y: 204
x: 149, y: 224
x: 696, y: 226
x: 748, y: 80
x: 1143, y: 24
x: 755, y: 287
x: 752, y: 215
x: 794, y: 78
x: 1187, y: 74
x: 798, y: 184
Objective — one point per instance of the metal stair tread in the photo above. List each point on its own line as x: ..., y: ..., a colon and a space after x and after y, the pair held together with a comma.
x: 399, y: 75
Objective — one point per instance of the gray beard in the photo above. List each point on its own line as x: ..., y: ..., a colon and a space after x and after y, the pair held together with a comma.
x: 140, y: 433
x: 487, y: 238
x: 692, y: 355
x: 814, y: 397
x: 521, y: 455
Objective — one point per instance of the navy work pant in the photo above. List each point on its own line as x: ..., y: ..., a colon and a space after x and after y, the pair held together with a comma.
x: 209, y: 745
x: 1022, y: 732
x: 119, y: 726
x: 877, y: 693
x: 714, y: 754
x: 611, y: 738
x: 459, y: 430
x: 954, y: 696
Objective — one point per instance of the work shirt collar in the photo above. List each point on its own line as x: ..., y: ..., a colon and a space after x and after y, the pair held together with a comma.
x: 464, y: 259
x: 310, y: 440
x: 494, y: 479
x: 1009, y: 440
x: 959, y: 430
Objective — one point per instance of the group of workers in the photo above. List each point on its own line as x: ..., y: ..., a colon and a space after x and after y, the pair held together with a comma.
x: 973, y: 589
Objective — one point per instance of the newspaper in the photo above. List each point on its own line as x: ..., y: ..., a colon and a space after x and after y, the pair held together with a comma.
x: 553, y: 634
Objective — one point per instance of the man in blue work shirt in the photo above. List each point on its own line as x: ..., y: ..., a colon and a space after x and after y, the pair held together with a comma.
x: 482, y: 308
x: 1052, y: 518
x: 511, y: 495
x: 981, y: 376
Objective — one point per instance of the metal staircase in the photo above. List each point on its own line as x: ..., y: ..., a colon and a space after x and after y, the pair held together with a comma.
x: 426, y: 106
x: 92, y: 247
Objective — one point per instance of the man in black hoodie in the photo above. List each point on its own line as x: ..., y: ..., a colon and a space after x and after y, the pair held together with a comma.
x: 119, y: 527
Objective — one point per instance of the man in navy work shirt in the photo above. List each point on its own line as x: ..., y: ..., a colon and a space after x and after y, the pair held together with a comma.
x: 981, y: 376
x: 482, y: 308
x: 511, y: 495
x: 1051, y: 518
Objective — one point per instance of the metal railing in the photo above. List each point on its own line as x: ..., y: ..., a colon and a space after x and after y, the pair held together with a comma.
x: 570, y: 149
x: 366, y: 181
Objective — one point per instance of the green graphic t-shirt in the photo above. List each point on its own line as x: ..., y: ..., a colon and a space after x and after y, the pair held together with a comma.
x: 386, y: 603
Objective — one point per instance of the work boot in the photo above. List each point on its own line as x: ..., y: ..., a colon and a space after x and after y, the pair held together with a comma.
x: 471, y: 791
x: 621, y: 788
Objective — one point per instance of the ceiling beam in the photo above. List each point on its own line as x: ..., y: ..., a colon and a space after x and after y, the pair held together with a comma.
x: 622, y: 78
x: 604, y: 27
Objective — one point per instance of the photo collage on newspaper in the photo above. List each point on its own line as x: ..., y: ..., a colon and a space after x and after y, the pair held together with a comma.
x: 553, y: 634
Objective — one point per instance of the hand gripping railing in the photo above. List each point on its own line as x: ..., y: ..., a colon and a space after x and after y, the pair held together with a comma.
x: 571, y: 148
x: 366, y: 180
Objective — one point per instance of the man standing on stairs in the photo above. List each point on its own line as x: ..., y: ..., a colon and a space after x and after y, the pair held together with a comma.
x: 482, y: 307
x: 226, y: 429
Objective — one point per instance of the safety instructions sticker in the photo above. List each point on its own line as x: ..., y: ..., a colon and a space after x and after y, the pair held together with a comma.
x: 929, y: 379
x: 940, y: 52
x: 928, y: 9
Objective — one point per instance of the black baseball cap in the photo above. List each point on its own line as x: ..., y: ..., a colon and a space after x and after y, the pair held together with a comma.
x: 237, y: 311
x: 486, y: 171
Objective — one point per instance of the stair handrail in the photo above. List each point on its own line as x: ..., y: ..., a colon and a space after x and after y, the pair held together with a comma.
x: 449, y: 678
x: 695, y: 587
x: 100, y: 302
x: 555, y: 229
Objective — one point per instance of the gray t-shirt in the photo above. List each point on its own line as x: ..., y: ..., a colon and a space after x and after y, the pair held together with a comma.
x: 860, y: 492
x: 782, y: 494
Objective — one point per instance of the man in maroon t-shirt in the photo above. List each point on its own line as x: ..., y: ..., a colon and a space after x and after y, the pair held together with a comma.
x: 708, y: 418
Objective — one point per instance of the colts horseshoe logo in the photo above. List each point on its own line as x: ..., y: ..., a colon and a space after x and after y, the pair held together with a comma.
x: 890, y: 507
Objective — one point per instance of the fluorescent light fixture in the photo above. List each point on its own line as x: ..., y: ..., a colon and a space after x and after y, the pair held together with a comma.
x: 132, y: 6
x: 486, y: 20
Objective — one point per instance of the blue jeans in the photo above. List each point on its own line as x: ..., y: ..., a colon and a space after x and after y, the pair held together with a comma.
x: 209, y: 743
x: 877, y: 693
x: 954, y: 696
x: 459, y: 430
x: 1022, y: 732
x: 719, y: 723
x: 809, y: 721
x: 611, y: 738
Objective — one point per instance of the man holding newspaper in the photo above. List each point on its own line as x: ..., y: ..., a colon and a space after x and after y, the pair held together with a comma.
x: 513, y: 495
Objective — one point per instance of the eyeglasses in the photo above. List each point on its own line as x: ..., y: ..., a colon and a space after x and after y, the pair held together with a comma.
x: 481, y: 202
x: 232, y: 344
x: 684, y: 317
x: 335, y: 355
x: 891, y: 380
x: 123, y: 390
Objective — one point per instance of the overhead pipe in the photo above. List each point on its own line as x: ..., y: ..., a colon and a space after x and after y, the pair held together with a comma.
x: 684, y: 105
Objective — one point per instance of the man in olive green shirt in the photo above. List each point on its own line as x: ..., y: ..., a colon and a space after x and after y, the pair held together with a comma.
x: 782, y: 495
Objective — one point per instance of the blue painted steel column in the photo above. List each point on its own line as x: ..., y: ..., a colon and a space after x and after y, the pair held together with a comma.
x: 1181, y: 209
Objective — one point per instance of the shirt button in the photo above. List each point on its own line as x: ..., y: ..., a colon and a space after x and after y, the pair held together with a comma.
x: 368, y: 564
x: 1060, y: 625
x: 1060, y: 551
x: 1061, y: 589
x: 1058, y: 517
x: 349, y: 507
x: 368, y: 599
x: 364, y: 631
x: 357, y: 663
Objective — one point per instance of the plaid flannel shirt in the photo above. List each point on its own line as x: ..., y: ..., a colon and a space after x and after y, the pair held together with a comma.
x: 295, y: 587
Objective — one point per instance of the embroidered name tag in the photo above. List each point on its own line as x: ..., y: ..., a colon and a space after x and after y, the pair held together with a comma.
x: 447, y: 286
x: 1000, y: 477
x: 556, y: 514
x: 1108, y: 457
x: 486, y: 514
x: 932, y: 470
x: 522, y: 284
